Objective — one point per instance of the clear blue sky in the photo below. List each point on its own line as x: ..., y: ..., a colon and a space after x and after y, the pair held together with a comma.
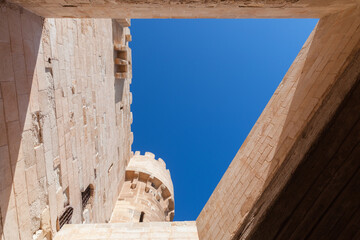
x: 198, y: 88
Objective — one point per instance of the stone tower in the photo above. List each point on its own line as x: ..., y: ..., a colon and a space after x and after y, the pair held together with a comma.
x: 147, y: 194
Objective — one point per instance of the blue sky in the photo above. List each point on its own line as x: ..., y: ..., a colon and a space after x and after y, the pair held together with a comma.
x: 198, y: 88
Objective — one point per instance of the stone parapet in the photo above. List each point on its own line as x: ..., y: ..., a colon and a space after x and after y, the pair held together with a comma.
x: 147, y: 194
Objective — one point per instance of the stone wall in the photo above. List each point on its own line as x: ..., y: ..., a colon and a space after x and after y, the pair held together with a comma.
x: 63, y: 127
x: 143, y: 231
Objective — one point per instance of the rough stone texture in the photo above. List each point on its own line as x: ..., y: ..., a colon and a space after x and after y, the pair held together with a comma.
x: 186, y: 8
x: 253, y: 179
x: 322, y: 196
x: 62, y: 127
x: 65, y: 125
x: 121, y: 231
x: 147, y: 194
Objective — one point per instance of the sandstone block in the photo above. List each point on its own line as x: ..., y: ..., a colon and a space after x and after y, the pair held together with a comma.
x: 19, y: 180
x: 5, y: 169
x: 32, y: 183
x: 52, y: 206
x: 15, y: 30
x: 28, y: 148
x: 6, y: 67
x: 3, y: 135
x: 10, y: 101
x: 22, y: 204
x: 11, y: 227
x: 4, y: 27
x: 40, y: 161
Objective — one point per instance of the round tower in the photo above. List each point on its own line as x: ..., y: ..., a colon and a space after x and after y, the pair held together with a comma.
x: 147, y: 194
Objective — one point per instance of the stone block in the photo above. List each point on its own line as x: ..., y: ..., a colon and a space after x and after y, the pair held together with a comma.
x: 5, y: 169
x: 55, y: 140
x: 47, y: 133
x: 25, y: 230
x: 11, y: 227
x: 52, y: 206
x: 128, y: 37
x: 50, y: 173
x: 19, y: 179
x: 20, y: 75
x: 45, y: 222
x: 58, y: 102
x: 40, y: 161
x: 34, y: 95
x: 6, y: 67
x: 30, y: 54
x: 15, y: 30
x: 59, y: 200
x: 39, y: 235
x: 4, y: 26
x: 3, y: 135
x: 27, y: 144
x: 32, y: 183
x: 61, y: 131
x: 42, y: 81
x: 26, y: 25
x: 7, y: 197
x: 124, y: 22
x: 10, y: 101
x: 44, y: 102
x: 23, y: 210
x: 36, y: 208
x: 24, y: 112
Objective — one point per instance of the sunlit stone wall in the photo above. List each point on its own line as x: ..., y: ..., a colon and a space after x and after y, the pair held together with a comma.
x: 63, y: 125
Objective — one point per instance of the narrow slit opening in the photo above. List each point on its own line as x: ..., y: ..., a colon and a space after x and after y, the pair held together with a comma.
x: 142, y: 217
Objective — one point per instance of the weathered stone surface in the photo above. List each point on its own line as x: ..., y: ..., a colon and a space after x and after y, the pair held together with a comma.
x: 188, y: 8
x: 58, y: 121
x: 65, y: 126
x: 112, y: 231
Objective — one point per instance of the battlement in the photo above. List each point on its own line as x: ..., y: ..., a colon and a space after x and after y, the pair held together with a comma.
x: 150, y: 169
x: 148, y: 192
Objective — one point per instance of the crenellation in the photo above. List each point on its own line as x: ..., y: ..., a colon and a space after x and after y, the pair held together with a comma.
x: 145, y: 195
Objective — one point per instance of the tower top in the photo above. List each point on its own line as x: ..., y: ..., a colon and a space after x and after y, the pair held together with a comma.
x: 152, y: 170
x: 147, y: 194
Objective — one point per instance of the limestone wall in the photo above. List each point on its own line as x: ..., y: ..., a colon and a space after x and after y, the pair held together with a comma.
x: 135, y: 231
x: 63, y: 126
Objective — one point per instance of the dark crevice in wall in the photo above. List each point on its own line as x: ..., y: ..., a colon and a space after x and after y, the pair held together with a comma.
x: 142, y: 215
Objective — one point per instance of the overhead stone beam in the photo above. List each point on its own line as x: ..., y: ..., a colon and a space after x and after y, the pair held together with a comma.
x: 186, y: 8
